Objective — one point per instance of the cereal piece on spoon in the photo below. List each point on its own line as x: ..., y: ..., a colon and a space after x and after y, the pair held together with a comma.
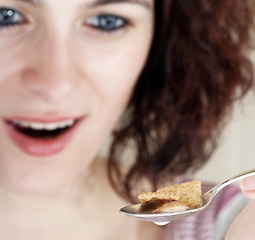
x: 163, y: 194
x: 173, y: 206
x: 191, y: 194
x: 175, y: 198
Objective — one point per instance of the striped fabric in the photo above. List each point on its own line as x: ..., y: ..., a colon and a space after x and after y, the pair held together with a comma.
x: 201, y: 226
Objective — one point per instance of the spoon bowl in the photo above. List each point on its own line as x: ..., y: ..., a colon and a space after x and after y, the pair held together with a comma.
x: 144, y: 211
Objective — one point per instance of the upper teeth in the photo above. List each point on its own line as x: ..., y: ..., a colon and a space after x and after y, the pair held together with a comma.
x: 44, y: 126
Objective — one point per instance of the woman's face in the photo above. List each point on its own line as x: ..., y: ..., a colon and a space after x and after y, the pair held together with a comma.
x: 68, y: 69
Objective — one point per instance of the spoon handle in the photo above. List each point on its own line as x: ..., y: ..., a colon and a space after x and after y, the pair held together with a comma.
x: 210, y: 194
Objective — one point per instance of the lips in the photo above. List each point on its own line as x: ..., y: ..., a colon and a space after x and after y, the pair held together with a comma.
x: 41, y: 137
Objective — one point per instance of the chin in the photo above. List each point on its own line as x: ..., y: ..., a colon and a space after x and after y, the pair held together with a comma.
x: 35, y: 189
x: 34, y: 183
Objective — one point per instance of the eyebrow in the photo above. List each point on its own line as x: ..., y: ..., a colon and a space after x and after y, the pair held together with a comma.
x: 34, y: 2
x: 144, y: 3
x: 105, y: 2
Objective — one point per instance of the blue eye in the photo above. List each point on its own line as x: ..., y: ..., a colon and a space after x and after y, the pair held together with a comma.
x: 9, y: 17
x: 107, y: 22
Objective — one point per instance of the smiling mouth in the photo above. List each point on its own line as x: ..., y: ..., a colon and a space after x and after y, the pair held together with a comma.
x: 40, y: 130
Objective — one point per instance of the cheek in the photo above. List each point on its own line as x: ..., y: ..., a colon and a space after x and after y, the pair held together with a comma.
x: 115, y: 79
x: 9, y: 64
x: 117, y: 74
x: 112, y: 67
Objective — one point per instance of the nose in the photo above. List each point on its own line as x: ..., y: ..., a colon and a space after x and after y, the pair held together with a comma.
x: 50, y: 72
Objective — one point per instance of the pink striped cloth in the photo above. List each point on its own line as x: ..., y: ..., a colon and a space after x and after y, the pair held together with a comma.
x: 200, y: 226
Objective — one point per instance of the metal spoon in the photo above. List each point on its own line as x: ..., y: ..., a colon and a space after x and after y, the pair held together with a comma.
x: 144, y: 212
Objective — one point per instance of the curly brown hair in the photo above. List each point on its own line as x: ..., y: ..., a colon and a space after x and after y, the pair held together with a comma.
x: 196, y: 69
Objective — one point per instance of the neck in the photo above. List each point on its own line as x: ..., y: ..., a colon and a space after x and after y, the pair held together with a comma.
x: 72, y: 207
x: 87, y: 211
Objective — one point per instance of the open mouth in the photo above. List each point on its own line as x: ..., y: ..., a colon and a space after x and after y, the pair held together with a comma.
x: 40, y: 130
x: 42, y: 138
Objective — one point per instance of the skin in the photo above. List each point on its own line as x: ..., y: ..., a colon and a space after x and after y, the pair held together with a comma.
x: 243, y: 226
x: 55, y: 63
x: 80, y: 71
x: 248, y: 187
